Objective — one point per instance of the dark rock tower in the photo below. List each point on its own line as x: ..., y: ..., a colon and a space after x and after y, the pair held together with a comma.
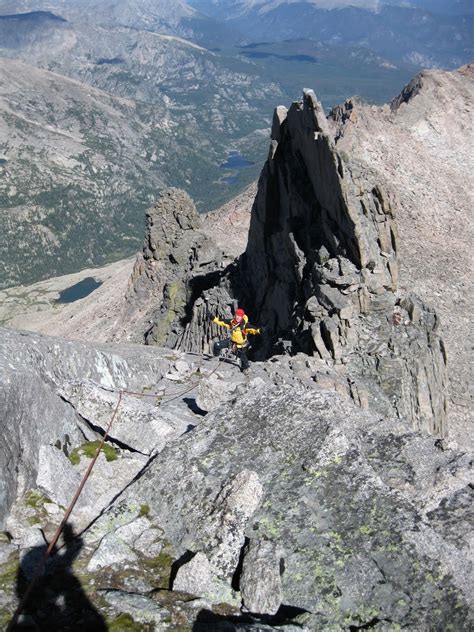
x: 320, y: 272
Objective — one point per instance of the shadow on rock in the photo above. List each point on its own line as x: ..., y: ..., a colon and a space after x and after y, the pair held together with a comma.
x: 57, y: 601
x: 208, y: 620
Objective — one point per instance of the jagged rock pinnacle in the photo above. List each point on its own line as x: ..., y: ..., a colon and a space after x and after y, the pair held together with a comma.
x: 177, y: 263
x: 321, y: 272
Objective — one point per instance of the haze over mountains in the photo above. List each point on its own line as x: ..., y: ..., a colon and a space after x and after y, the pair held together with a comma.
x: 177, y: 86
x: 185, y: 105
x: 403, y: 31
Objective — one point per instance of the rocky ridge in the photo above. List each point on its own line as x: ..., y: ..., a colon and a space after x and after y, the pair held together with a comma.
x: 177, y: 262
x: 320, y: 272
x: 316, y: 493
x: 419, y: 148
x: 371, y: 161
x: 284, y: 498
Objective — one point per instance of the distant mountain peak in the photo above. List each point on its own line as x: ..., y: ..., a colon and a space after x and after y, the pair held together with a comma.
x: 33, y: 15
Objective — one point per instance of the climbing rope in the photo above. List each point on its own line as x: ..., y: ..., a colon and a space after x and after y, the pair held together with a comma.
x: 42, y: 564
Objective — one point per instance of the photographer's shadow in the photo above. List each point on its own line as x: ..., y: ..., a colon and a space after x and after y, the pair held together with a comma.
x: 57, y: 600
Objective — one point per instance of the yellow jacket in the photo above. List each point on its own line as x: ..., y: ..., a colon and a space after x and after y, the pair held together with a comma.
x: 239, y: 331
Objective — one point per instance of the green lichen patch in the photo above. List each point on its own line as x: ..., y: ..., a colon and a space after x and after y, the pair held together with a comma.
x: 176, y: 299
x: 361, y: 616
x: 34, y: 502
x: 269, y: 527
x: 35, y: 499
x: 119, y: 515
x: 9, y: 573
x: 144, y: 510
x: 89, y: 450
x: 5, y: 619
x: 74, y: 457
x: 160, y: 567
x: 125, y: 623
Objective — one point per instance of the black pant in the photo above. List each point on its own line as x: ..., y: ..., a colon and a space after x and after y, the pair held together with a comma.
x: 240, y: 352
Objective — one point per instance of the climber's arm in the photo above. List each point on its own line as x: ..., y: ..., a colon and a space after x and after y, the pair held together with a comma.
x: 221, y: 323
x: 255, y: 331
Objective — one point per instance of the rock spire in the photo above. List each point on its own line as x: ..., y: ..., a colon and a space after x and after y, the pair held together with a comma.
x: 321, y: 273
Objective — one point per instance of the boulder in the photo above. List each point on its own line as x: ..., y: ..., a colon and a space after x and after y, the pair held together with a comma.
x: 301, y: 482
x: 260, y: 582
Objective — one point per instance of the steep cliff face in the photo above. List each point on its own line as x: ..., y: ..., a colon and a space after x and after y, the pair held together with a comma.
x: 321, y: 273
x: 420, y: 147
x: 316, y: 228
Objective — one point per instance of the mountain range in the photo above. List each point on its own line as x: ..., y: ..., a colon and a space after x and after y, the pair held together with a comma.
x: 151, y: 94
x: 321, y: 489
x: 422, y: 33
x: 182, y: 119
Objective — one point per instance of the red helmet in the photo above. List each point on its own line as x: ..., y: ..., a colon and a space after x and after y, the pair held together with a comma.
x: 239, y: 312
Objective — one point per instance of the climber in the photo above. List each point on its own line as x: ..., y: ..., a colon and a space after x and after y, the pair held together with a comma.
x: 239, y: 329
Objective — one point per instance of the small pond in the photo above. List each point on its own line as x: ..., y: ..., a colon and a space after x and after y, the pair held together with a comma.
x: 78, y: 290
x: 235, y: 161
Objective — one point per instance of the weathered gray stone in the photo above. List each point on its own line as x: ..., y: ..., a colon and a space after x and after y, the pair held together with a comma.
x: 321, y: 229
x: 339, y: 492
x: 148, y: 433
x: 331, y: 298
x: 111, y: 550
x: 132, y: 531
x: 279, y: 116
x: 260, y: 582
x: 417, y: 150
x: 29, y: 411
x: 32, y: 548
x: 45, y: 380
x: 198, y: 577
x: 58, y: 478
x: 177, y: 263
x: 148, y: 543
x: 216, y: 389
x: 6, y: 550
x: 353, y: 511
x: 139, y: 607
x: 235, y: 504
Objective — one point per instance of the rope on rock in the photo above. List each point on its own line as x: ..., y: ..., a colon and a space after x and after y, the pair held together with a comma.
x: 40, y: 568
x: 42, y: 564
